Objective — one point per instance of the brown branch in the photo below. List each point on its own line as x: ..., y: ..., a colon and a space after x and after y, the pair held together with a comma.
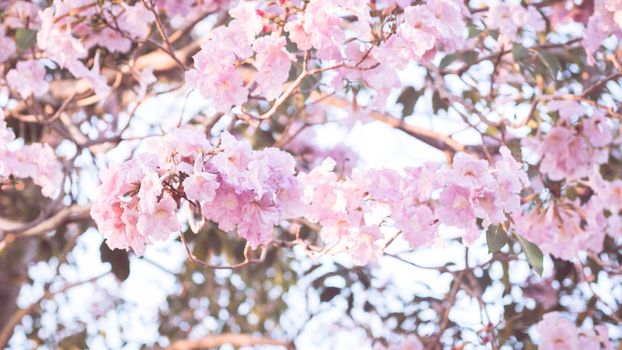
x: 236, y: 340
x: 7, y: 331
x: 248, y: 259
x: 432, y: 138
x: 16, y: 230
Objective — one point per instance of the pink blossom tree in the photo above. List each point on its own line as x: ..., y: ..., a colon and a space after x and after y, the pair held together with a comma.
x: 168, y: 178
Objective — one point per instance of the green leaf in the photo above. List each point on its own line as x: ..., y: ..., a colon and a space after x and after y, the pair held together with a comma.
x: 408, y: 98
x: 550, y: 61
x: 119, y: 260
x: 496, y: 238
x: 474, y: 31
x: 25, y: 38
x: 534, y: 255
x: 446, y: 61
x: 494, y: 34
x: 470, y: 57
x: 519, y: 52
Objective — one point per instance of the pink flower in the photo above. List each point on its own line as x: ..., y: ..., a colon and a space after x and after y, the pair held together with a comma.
x: 176, y: 7
x: 109, y: 38
x: 246, y: 18
x: 297, y: 33
x: 201, y: 187
x: 511, y: 178
x: 227, y: 207
x: 598, y: 130
x: 162, y: 222
x: 418, y: 224
x: 273, y: 63
x: 28, y: 78
x: 363, y: 247
x: 136, y: 20
x: 22, y: 14
x: 56, y: 39
x: 233, y: 161
x: 488, y: 207
x: 7, y: 46
x: 509, y: 19
x: 216, y: 77
x: 150, y: 190
x: 319, y: 27
x: 257, y: 221
x: 456, y: 207
x: 557, y: 333
x: 606, y: 20
x: 470, y: 172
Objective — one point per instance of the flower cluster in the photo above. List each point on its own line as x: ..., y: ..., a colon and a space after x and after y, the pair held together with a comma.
x: 351, y: 210
x: 557, y: 332
x: 28, y: 78
x: 510, y: 19
x: 229, y: 183
x: 606, y: 20
x: 36, y: 161
x: 425, y: 30
x: 254, y: 36
x: 575, y: 144
x: 565, y: 227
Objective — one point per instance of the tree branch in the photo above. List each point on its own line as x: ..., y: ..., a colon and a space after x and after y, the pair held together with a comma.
x: 237, y: 340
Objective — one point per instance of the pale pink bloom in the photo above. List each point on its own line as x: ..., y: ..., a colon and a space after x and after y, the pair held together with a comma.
x: 565, y: 228
x: 160, y: 224
x: 567, y: 109
x: 117, y: 222
x: 56, y: 39
x: 150, y: 190
x: 598, y: 130
x: 7, y: 46
x: 201, y: 187
x: 418, y: 225
x: 93, y: 76
x: 412, y: 343
x: 606, y: 21
x: 216, y: 77
x: 176, y: 7
x: 28, y: 78
x: 110, y: 39
x: 38, y: 162
x: 297, y: 33
x: 257, y: 221
x: 565, y: 154
x: 6, y: 135
x: 273, y: 63
x: 233, y: 161
x: 510, y: 18
x: 488, y: 207
x: 363, y: 247
x: 246, y: 19
x: 511, y: 178
x: 230, y: 41
x: 22, y: 14
x: 227, y: 207
x: 136, y: 20
x: 319, y: 27
x: 181, y: 149
x: 557, y: 333
x: 269, y: 171
x: 470, y: 172
x: 424, y: 180
x: 145, y: 79
x: 455, y: 206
